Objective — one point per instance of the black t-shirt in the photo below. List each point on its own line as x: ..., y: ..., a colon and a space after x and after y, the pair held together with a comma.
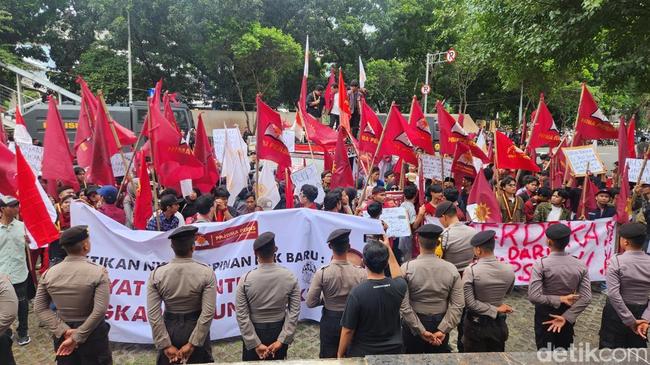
x: 317, y: 110
x: 372, y: 310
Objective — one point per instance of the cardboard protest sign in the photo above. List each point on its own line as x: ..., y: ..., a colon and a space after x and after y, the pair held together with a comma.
x: 397, y: 221
x: 308, y: 175
x: 581, y: 157
x: 635, y: 168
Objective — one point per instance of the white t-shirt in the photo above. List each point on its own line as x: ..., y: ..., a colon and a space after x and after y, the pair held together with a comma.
x: 555, y: 214
x: 335, y: 105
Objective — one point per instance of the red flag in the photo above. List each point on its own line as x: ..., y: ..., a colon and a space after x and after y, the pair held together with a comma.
x: 587, y: 204
x: 341, y: 169
x: 452, y: 132
x: 3, y: 135
x: 124, y: 135
x: 270, y: 145
x: 87, y: 115
x: 463, y: 163
x: 8, y: 185
x: 369, y: 133
x: 143, y: 197
x: 205, y: 154
x: 329, y: 153
x: 33, y: 200
x: 624, y: 199
x: 288, y: 189
x: 57, y: 159
x: 622, y: 143
x: 344, y: 104
x: 317, y: 132
x: 487, y: 206
x: 509, y: 156
x: 168, y: 112
x: 329, y: 95
x: 100, y: 171
x: 395, y: 141
x: 631, y: 141
x: 545, y: 132
x: 21, y: 135
x: 418, y: 128
x: 592, y: 123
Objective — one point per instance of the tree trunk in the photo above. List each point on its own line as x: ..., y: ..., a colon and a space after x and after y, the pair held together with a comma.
x: 241, y: 98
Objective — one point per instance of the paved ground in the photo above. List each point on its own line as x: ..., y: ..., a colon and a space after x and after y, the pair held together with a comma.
x: 520, y: 323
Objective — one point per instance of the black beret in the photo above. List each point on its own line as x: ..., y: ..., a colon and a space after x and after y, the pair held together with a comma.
x: 264, y: 239
x: 73, y: 235
x: 482, y: 238
x: 633, y: 230
x: 183, y: 233
x: 558, y: 231
x: 443, y: 208
x: 339, y: 236
x: 429, y: 231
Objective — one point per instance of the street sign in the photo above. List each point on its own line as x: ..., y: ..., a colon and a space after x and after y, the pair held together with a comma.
x: 425, y: 89
x: 451, y: 55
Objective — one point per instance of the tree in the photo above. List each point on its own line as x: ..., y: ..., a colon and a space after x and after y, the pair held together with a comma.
x: 387, y: 83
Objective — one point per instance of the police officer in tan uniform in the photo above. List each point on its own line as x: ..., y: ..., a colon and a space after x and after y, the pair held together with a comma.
x: 188, y: 289
x: 486, y: 283
x: 627, y: 313
x: 268, y: 305
x: 330, y: 287
x: 434, y: 302
x: 80, y: 291
x: 560, y: 289
x: 8, y: 313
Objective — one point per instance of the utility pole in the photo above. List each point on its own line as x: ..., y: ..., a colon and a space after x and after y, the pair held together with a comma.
x: 128, y: 52
x: 521, y: 103
x: 432, y: 60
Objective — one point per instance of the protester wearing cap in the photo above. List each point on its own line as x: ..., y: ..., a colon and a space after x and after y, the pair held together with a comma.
x: 188, y: 289
x: 330, y: 287
x: 13, y: 260
x: 268, y: 305
x: 604, y: 208
x: 79, y: 289
x: 560, y: 289
x: 627, y: 313
x: 108, y: 205
x: 166, y: 219
x: 485, y: 284
x: 8, y: 311
x: 434, y: 301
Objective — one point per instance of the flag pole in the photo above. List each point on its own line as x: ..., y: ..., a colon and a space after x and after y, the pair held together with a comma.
x: 304, y: 123
x: 257, y: 157
x: 575, y: 127
x: 496, y: 153
x: 128, y: 168
x: 100, y: 94
x: 584, y: 193
x: 153, y: 170
x: 643, y: 165
x: 530, y: 135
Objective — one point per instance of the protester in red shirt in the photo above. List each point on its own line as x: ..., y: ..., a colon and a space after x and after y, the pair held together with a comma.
x: 108, y: 195
x: 224, y: 212
x: 543, y: 194
x: 435, y: 196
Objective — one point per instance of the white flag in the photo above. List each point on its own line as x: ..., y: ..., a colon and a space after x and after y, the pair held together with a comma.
x: 268, y: 189
x: 235, y: 168
x: 362, y: 75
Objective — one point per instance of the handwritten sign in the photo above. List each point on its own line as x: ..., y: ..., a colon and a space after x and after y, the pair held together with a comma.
x: 289, y: 138
x: 118, y: 164
x: 634, y: 165
x: 235, y: 141
x: 580, y: 157
x: 33, y: 155
x: 397, y: 221
x: 308, y: 175
x: 432, y: 167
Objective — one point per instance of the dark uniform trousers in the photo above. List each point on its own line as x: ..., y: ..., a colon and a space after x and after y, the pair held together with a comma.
x: 267, y: 333
x: 6, y: 355
x: 414, y: 344
x: 94, y: 351
x: 459, y: 328
x: 179, y: 327
x: 330, y: 333
x: 614, y: 334
x: 551, y: 340
x: 484, y: 334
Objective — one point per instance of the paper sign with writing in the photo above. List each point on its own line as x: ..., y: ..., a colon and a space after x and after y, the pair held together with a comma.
x: 289, y: 138
x: 118, y: 164
x: 432, y: 166
x: 33, y: 155
x: 235, y: 141
x: 308, y: 175
x: 580, y: 157
x: 635, y: 168
x: 397, y: 221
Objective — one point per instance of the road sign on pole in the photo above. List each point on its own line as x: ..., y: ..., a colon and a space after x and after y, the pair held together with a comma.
x: 425, y: 89
x: 450, y: 56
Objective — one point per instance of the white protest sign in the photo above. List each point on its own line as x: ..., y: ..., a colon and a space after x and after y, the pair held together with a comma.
x: 33, y: 154
x: 580, y: 157
x: 118, y: 164
x: 308, y: 175
x: 432, y: 166
x: 186, y: 187
x: 130, y: 256
x: 635, y: 169
x: 289, y: 139
x: 235, y: 141
x: 397, y: 221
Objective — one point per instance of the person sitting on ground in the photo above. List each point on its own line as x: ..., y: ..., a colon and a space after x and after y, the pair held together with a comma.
x: 308, y: 194
x: 107, y: 207
x: 555, y: 209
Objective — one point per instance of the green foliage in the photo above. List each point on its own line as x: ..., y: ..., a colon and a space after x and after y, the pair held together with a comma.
x: 386, y: 81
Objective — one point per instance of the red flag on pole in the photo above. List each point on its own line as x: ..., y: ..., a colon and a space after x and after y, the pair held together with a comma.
x: 463, y: 163
x: 3, y: 135
x: 592, y: 122
x: 270, y: 145
x: 418, y: 128
x: 545, y: 132
x: 452, y: 132
x: 205, y: 154
x: 288, y: 189
x: 143, y: 196
x: 509, y: 156
x: 341, y: 169
x: 8, y: 185
x: 631, y: 140
x: 623, y: 149
x: 344, y: 104
x: 124, y: 135
x: 624, y: 198
x: 100, y: 171
x: 21, y: 135
x: 57, y: 159
x: 587, y: 204
x: 168, y: 112
x: 369, y: 133
x: 329, y: 95
x: 483, y: 202
x: 317, y: 132
x: 395, y: 141
x: 33, y: 200
x: 87, y: 115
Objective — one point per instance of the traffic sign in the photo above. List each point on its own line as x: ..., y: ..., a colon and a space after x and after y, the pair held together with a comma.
x: 425, y: 89
x: 451, y: 55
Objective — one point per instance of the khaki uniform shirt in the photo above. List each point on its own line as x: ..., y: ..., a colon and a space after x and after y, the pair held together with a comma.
x: 332, y: 283
x: 186, y: 286
x: 434, y: 287
x: 269, y: 293
x: 485, y: 284
x: 80, y: 291
x: 8, y: 304
x: 628, y: 282
x: 556, y: 275
x: 456, y: 247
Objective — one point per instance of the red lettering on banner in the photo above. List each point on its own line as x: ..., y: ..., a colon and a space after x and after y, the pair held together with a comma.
x: 224, y: 310
x: 140, y: 315
x: 125, y: 287
x: 230, y: 283
x: 119, y: 313
x: 509, y: 231
x: 533, y: 227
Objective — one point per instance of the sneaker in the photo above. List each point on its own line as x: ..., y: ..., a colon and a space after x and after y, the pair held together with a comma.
x: 24, y: 340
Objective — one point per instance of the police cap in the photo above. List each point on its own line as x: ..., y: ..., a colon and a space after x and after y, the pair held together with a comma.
x: 429, y: 231
x: 266, y: 238
x: 341, y: 235
x: 184, y: 233
x: 482, y: 238
x: 444, y: 208
x: 558, y: 231
x: 73, y: 235
x: 633, y: 230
